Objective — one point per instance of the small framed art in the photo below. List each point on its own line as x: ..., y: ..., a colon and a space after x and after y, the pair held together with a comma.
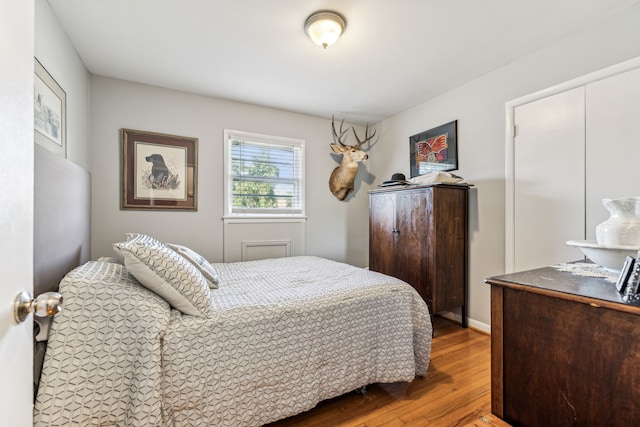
x: 49, y: 111
x: 434, y: 149
x: 625, y: 274
x: 159, y: 171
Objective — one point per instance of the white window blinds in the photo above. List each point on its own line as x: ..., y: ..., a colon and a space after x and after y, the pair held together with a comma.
x: 264, y: 174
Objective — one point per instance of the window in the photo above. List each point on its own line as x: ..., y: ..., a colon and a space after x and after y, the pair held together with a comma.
x: 263, y: 174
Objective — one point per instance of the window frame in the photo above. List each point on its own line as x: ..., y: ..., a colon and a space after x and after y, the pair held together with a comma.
x: 230, y: 135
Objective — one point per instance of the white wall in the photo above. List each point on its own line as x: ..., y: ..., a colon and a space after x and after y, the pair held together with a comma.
x: 56, y: 53
x: 479, y: 107
x: 335, y: 230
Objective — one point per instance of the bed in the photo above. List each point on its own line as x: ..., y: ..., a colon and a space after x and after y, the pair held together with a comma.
x: 279, y: 336
x: 158, y: 336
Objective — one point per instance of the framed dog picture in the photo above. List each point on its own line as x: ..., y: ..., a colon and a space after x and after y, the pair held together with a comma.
x: 159, y: 171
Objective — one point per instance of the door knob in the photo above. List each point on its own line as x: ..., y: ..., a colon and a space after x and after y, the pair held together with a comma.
x: 45, y: 305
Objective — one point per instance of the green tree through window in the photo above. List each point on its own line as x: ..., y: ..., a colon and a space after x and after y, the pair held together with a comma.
x: 253, y: 191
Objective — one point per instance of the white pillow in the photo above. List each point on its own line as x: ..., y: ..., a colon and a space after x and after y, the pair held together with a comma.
x: 168, y: 274
x: 200, y: 263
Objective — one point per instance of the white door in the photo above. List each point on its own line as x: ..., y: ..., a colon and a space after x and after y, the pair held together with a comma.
x: 549, y: 200
x: 613, y: 143
x: 16, y: 208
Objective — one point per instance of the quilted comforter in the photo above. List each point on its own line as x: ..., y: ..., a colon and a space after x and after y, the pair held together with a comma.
x: 286, y: 334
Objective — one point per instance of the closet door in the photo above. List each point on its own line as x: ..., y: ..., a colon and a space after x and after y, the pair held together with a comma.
x: 549, y: 170
x: 613, y: 143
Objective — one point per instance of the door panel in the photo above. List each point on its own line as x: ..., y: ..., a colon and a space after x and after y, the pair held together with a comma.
x: 549, y: 200
x: 381, y: 237
x: 613, y: 143
x: 16, y: 211
x: 411, y: 208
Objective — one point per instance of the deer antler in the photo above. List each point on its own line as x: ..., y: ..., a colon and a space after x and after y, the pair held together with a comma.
x: 335, y: 134
x: 338, y: 138
x: 367, y: 137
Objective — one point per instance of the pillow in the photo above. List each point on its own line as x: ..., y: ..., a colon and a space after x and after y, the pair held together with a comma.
x: 200, y: 262
x: 168, y: 274
x: 110, y: 259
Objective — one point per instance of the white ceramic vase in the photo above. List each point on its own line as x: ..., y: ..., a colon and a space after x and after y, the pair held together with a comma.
x: 623, y: 226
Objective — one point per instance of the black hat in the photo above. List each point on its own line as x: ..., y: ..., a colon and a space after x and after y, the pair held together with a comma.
x: 396, y: 179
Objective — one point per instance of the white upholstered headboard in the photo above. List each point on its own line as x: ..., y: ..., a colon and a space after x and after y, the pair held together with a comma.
x: 62, y: 218
x: 62, y: 227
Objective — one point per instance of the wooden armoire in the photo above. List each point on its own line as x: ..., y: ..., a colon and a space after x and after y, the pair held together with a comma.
x: 419, y: 234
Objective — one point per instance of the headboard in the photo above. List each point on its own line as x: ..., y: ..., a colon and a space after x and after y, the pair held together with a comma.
x: 61, y: 233
x: 62, y: 218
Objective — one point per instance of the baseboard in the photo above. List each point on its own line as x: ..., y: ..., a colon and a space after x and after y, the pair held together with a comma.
x: 474, y: 324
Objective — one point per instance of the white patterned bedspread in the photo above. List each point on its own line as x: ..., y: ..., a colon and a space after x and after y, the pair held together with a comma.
x: 287, y: 334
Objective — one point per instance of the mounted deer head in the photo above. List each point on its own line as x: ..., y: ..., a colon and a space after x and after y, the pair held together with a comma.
x: 342, y: 177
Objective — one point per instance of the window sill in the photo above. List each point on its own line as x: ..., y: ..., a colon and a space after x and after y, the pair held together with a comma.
x: 264, y: 218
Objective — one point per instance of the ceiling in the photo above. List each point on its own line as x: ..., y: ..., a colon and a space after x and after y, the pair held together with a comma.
x: 392, y: 56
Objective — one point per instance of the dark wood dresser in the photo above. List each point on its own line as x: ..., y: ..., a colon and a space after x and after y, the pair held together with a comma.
x: 565, y: 351
x: 419, y: 234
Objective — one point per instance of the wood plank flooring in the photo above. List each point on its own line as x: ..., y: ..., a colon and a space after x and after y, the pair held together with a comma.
x: 455, y: 391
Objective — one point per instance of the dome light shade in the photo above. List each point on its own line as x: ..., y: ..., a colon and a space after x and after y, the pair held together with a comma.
x: 324, y: 28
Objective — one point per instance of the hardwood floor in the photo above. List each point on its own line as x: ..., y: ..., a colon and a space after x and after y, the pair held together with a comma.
x: 455, y: 391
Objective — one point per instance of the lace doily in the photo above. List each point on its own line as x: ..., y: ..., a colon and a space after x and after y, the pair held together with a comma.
x: 588, y: 270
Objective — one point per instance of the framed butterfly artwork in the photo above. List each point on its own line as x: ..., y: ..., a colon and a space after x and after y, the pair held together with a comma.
x: 435, y: 149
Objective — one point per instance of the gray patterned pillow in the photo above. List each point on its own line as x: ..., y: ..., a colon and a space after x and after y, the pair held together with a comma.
x: 111, y: 259
x: 200, y: 262
x: 167, y: 273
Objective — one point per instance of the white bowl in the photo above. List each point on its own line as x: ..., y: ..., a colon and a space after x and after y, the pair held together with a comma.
x: 610, y: 257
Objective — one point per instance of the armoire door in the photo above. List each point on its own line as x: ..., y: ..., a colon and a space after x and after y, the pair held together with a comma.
x: 549, y: 170
x: 411, y: 240
x: 382, y: 220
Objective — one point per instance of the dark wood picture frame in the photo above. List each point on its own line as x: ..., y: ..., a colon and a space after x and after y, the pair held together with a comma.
x: 434, y: 149
x: 159, y: 171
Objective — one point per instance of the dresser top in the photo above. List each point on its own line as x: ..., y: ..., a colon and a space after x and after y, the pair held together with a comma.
x: 596, y: 291
x: 462, y: 186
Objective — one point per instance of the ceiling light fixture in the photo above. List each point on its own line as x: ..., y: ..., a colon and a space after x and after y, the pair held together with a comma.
x: 324, y: 28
